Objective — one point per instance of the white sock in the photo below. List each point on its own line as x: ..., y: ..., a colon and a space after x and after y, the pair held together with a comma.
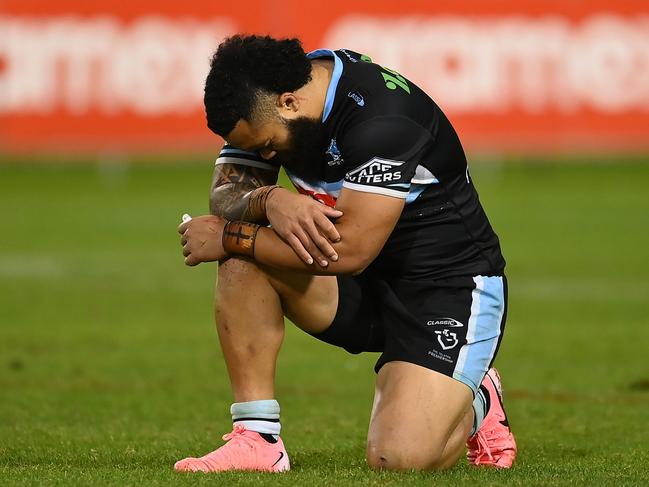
x: 259, y: 416
x: 480, y: 408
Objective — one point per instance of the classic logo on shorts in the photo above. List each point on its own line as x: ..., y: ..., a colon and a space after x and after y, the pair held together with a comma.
x: 450, y: 322
x: 446, y: 338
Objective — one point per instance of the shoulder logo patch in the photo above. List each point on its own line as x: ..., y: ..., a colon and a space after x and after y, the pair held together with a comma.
x: 375, y: 171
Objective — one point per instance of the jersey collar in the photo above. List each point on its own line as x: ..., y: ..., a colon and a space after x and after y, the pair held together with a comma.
x: 335, y: 77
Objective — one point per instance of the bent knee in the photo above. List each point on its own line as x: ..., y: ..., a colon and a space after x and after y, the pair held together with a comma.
x: 237, y: 270
x: 237, y: 264
x: 238, y: 277
x: 383, y: 457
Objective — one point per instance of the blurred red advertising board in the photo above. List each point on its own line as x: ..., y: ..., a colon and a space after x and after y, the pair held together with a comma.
x: 524, y: 76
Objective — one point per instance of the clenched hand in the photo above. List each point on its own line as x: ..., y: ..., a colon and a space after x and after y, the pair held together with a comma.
x: 201, y: 239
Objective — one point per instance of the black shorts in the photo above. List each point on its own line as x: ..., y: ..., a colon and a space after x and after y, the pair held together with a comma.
x: 453, y: 326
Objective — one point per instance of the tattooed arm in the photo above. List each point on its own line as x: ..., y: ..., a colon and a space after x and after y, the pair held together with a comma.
x: 239, y: 192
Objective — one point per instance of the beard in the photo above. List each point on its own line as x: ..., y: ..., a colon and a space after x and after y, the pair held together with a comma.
x: 307, y: 145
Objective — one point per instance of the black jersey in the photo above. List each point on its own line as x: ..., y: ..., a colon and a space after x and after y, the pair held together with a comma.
x: 386, y: 136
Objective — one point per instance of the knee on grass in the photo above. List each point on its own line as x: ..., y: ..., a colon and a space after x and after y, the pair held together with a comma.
x: 383, y: 457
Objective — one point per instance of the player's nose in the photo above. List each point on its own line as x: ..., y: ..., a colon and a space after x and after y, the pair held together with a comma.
x: 267, y: 153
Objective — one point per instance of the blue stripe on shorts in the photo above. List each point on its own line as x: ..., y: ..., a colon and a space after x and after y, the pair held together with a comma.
x: 483, y: 331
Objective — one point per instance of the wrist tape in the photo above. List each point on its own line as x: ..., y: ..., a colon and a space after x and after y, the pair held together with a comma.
x: 239, y: 238
x: 256, y: 208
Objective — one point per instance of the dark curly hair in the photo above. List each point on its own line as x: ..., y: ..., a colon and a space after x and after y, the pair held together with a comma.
x: 243, y: 69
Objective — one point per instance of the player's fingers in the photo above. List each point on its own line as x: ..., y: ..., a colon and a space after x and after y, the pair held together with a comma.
x: 185, y: 223
x: 299, y: 249
x: 327, y: 228
x: 191, y: 261
x: 331, y: 212
x: 183, y: 240
x: 322, y: 243
x: 311, y: 247
x: 183, y: 226
x: 186, y: 251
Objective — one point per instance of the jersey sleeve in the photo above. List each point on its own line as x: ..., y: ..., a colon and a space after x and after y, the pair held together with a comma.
x: 232, y: 155
x: 382, y: 154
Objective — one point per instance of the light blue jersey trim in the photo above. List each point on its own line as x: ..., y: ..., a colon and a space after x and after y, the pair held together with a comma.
x: 240, y: 161
x: 483, y: 331
x: 415, y: 191
x: 332, y: 188
x: 335, y: 77
x: 232, y: 150
x: 232, y: 155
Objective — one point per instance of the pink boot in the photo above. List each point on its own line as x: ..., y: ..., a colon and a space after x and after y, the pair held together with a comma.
x: 244, y: 450
x: 494, y: 442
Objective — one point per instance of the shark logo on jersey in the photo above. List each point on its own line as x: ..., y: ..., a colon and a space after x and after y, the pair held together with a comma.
x: 334, y: 153
x: 376, y: 171
x: 360, y: 101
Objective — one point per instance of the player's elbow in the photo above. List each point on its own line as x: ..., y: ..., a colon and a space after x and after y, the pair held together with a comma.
x: 360, y: 264
x: 355, y: 259
x: 217, y: 202
x: 225, y: 201
x: 350, y: 266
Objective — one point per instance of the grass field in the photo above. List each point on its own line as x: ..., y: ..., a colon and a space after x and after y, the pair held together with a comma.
x: 110, y: 368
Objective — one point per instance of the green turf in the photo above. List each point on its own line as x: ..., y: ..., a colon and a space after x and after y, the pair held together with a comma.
x: 110, y: 368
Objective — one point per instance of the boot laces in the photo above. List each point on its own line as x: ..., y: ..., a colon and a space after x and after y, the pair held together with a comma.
x: 237, y: 436
x: 236, y: 431
x: 490, y: 443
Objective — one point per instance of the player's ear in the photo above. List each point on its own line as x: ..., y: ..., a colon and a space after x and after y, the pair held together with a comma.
x: 288, y: 104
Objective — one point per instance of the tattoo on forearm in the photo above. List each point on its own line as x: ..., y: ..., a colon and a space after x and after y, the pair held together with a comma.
x: 234, y: 185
